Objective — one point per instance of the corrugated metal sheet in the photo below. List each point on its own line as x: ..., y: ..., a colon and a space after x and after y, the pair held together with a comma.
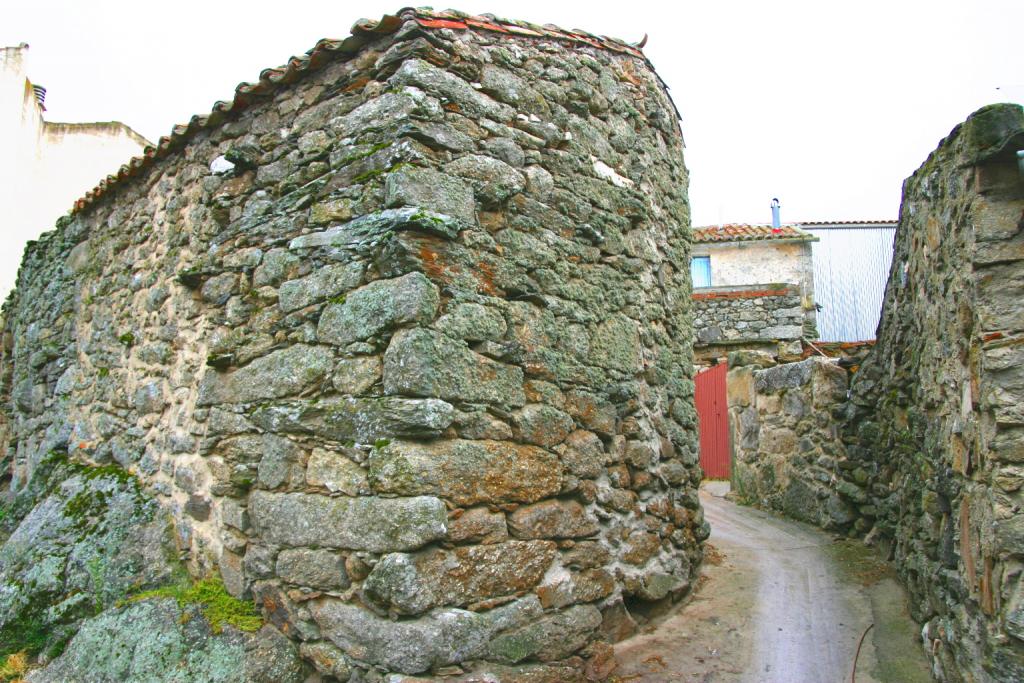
x: 851, y: 267
x: 713, y: 421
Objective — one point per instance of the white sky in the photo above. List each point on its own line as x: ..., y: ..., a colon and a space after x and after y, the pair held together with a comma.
x: 826, y: 105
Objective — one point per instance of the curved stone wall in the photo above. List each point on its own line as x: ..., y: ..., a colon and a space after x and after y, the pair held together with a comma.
x: 404, y: 347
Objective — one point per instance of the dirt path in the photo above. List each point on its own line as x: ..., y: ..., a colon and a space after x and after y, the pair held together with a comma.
x: 781, y: 602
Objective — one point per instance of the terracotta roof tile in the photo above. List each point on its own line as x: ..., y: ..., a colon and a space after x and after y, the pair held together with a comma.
x: 363, y: 32
x: 744, y: 232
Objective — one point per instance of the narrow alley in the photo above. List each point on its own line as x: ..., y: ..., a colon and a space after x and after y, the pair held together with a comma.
x: 780, y: 602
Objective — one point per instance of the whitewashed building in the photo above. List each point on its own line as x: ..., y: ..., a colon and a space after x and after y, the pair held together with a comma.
x: 46, y: 165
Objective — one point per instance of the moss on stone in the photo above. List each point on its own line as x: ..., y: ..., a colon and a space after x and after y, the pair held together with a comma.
x: 368, y: 175
x: 216, y: 604
x: 356, y: 156
x: 30, y: 632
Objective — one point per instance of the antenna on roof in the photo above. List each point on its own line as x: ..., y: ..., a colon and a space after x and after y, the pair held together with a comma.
x: 776, y: 225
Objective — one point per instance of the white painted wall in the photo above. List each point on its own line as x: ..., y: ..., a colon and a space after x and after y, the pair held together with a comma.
x: 44, y: 166
x: 755, y: 262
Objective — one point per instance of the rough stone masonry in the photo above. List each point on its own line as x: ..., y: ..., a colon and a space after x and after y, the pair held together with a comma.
x: 935, y: 426
x: 924, y: 457
x: 398, y: 342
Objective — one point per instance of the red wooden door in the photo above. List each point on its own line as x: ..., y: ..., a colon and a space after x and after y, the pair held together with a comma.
x: 713, y: 417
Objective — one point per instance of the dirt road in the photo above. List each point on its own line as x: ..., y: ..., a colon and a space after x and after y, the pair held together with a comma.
x: 781, y: 602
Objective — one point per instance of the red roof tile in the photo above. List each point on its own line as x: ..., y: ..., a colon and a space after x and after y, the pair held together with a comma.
x: 363, y: 32
x: 743, y: 232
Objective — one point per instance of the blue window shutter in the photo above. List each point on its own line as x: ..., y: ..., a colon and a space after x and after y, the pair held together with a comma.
x: 700, y: 271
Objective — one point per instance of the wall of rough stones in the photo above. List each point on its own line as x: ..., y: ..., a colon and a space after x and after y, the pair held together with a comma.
x: 768, y: 317
x: 398, y: 347
x: 936, y: 416
x: 785, y: 427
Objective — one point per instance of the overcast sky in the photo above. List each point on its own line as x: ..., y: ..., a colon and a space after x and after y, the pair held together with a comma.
x: 826, y: 105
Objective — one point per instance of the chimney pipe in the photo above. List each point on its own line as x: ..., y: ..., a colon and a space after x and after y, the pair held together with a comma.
x: 776, y: 225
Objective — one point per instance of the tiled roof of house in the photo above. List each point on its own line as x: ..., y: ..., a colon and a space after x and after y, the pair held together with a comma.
x: 744, y: 232
x: 363, y: 32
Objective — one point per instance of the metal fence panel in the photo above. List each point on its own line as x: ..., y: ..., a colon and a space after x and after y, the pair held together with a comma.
x: 851, y: 268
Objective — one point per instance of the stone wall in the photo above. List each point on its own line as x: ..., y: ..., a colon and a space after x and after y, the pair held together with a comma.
x: 924, y: 457
x: 785, y: 437
x: 396, y: 346
x: 767, y: 317
x: 936, y: 415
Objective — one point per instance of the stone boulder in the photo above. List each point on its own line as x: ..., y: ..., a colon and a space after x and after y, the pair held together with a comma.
x: 156, y: 641
x: 93, y: 537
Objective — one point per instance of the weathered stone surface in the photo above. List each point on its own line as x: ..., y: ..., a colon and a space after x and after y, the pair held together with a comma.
x: 328, y: 660
x: 472, y: 322
x: 376, y: 524
x: 422, y: 362
x: 325, y: 283
x: 511, y: 89
x: 480, y: 424
x: 424, y: 187
x: 379, y: 306
x: 445, y: 636
x: 493, y: 180
x: 787, y: 376
x: 156, y: 641
x: 281, y: 373
x: 641, y: 546
x: 654, y: 585
x: 593, y: 412
x: 584, y: 454
x: 541, y: 424
x: 551, y: 637
x: 782, y: 450
x: 336, y: 473
x: 97, y: 535
x: 369, y: 231
x: 355, y: 376
x: 583, y: 586
x: 466, y: 472
x: 438, y: 82
x: 552, y: 519
x: 312, y: 568
x: 364, y: 420
x: 388, y: 108
x: 279, y: 458
x: 478, y: 525
x: 615, y: 344
x: 149, y: 398
x: 413, y: 584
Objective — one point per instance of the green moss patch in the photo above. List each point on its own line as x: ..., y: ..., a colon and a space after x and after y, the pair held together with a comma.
x: 216, y: 604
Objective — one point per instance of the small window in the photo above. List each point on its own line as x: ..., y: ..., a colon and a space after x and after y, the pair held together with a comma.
x: 700, y: 271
